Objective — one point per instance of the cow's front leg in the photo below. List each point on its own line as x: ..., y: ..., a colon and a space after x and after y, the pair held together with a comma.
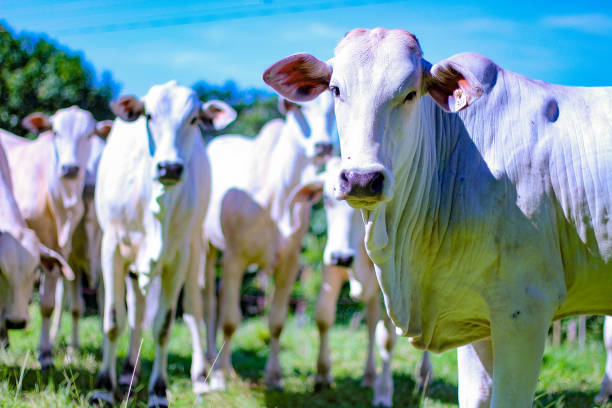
x: 518, y: 337
x: 172, y: 281
x: 605, y: 392
x: 210, y: 303
x: 136, y: 308
x: 325, y: 315
x: 77, y: 306
x: 113, y: 270
x: 372, y: 314
x: 475, y: 367
x: 283, y: 284
x: 47, y: 304
x: 4, y: 339
x: 386, y: 339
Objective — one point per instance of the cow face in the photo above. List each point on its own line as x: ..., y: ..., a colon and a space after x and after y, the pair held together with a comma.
x: 72, y: 131
x: 344, y: 224
x: 173, y: 116
x: 377, y: 78
x: 316, y: 123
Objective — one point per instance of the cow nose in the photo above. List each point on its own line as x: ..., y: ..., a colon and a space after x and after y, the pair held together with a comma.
x: 15, y: 324
x: 169, y: 172
x: 340, y: 259
x: 361, y: 184
x: 70, y: 171
x: 323, y: 148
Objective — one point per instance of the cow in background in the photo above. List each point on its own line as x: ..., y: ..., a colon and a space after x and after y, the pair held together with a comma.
x: 152, y: 194
x: 86, y: 240
x: 48, y: 179
x: 259, y: 212
x: 21, y: 256
x: 486, y: 198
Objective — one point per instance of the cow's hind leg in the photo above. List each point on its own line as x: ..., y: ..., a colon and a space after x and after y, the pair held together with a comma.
x: 372, y: 316
x: 77, y: 307
x: 425, y: 372
x: 47, y: 304
x: 605, y: 391
x: 475, y: 366
x: 386, y: 339
x: 325, y: 317
x: 136, y: 308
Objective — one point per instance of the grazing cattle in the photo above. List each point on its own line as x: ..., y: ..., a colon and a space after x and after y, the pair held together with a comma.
x: 21, y: 254
x: 48, y: 178
x: 85, y: 254
x: 259, y: 212
x: 151, y: 197
x: 345, y: 259
x: 486, y: 198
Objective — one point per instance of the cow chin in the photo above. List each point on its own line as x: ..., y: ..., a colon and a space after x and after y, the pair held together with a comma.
x: 360, y: 203
x: 168, y: 182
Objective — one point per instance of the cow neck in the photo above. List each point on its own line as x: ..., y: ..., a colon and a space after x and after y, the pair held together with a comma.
x: 11, y: 217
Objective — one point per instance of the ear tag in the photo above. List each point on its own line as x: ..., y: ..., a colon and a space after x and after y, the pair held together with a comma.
x: 460, y: 99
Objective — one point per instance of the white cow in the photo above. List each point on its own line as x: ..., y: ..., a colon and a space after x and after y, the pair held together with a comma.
x: 345, y: 259
x: 486, y: 197
x: 151, y: 198
x: 48, y: 178
x: 259, y: 212
x: 21, y: 254
x: 86, y: 240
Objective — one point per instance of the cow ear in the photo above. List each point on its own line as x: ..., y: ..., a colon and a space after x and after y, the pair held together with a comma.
x: 299, y: 77
x: 103, y: 128
x: 285, y: 105
x: 452, y: 87
x: 129, y: 108
x: 50, y: 256
x: 219, y: 113
x: 308, y: 193
x: 36, y: 122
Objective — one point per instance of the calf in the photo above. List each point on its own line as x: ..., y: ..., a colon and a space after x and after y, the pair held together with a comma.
x: 48, y: 178
x: 259, y: 213
x: 485, y: 195
x: 151, y: 198
x: 21, y: 254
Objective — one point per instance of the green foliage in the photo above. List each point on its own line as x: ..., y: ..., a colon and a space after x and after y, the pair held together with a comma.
x: 36, y: 74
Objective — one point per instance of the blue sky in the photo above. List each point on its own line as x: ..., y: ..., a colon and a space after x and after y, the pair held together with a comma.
x: 147, y: 42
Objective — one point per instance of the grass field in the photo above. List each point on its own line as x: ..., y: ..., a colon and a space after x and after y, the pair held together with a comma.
x: 570, y: 376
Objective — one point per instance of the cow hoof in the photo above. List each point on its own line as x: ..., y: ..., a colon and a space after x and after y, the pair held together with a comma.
x: 321, y: 386
x: 382, y: 401
x: 126, y: 382
x: 101, y: 399
x: 46, y: 360
x: 368, y: 380
x: 602, y: 398
x: 158, y: 401
x: 201, y: 387
x: 274, y: 384
x: 217, y: 381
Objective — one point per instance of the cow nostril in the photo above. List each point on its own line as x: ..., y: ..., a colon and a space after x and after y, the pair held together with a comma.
x: 376, y: 185
x: 169, y: 170
x: 344, y: 182
x: 70, y: 171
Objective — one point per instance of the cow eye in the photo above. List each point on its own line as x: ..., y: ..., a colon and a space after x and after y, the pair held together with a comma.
x: 335, y: 91
x: 411, y: 95
x: 194, y: 120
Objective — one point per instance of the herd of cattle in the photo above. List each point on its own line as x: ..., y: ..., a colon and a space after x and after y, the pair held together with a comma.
x: 485, y: 200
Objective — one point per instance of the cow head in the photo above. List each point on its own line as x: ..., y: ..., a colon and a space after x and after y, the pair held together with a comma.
x: 173, y: 115
x: 21, y: 255
x: 314, y: 122
x: 72, y: 130
x: 377, y: 78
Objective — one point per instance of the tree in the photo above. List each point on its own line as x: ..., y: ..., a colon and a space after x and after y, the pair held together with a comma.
x: 37, y: 74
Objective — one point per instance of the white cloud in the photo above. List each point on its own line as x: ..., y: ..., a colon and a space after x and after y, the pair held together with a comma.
x: 588, y: 23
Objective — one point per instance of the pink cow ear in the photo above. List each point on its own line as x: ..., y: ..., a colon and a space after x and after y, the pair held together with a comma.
x: 219, y: 113
x: 451, y: 86
x: 285, y: 105
x: 36, y: 122
x: 128, y: 108
x: 103, y: 128
x: 308, y: 193
x: 299, y: 77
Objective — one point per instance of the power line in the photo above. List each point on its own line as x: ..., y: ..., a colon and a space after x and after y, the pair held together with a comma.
x: 236, y: 14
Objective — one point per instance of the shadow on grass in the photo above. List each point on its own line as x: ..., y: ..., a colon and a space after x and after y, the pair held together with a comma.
x: 567, y: 398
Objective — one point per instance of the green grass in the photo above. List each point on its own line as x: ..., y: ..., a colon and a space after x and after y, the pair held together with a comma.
x: 570, y: 376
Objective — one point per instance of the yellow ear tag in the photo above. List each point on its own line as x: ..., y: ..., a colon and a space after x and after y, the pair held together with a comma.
x: 460, y: 99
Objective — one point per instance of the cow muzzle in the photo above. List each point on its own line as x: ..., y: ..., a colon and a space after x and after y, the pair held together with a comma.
x: 341, y: 259
x: 169, y: 173
x: 362, y: 188
x: 16, y: 324
x: 323, y: 149
x: 70, y: 171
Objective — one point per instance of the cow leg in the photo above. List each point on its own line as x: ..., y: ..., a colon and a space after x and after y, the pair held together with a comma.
x: 372, y: 316
x: 518, y: 338
x: 605, y: 391
x: 283, y: 284
x: 425, y: 373
x: 4, y: 340
x: 60, y: 302
x: 192, y: 304
x: 325, y: 316
x: 233, y: 270
x: 172, y: 281
x: 113, y: 271
x: 77, y: 307
x: 210, y: 304
x: 47, y: 304
x: 136, y: 308
x: 386, y: 338
x: 475, y: 366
